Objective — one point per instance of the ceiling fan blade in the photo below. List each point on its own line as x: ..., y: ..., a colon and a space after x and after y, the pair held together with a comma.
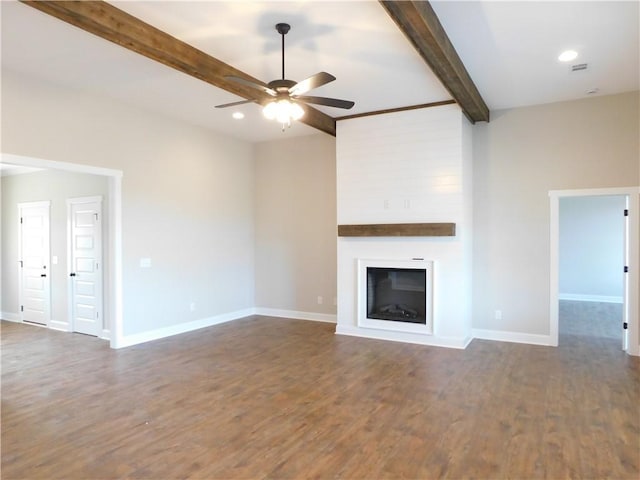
x: 329, y: 102
x: 249, y: 83
x: 314, y: 81
x: 233, y: 104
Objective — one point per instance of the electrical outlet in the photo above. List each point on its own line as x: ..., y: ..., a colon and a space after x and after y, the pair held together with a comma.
x: 498, y: 315
x: 192, y: 306
x: 320, y: 300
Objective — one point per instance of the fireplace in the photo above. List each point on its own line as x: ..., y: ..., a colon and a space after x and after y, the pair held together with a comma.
x: 396, y: 295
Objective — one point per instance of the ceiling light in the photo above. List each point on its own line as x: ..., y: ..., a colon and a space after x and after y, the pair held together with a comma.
x: 283, y: 111
x: 568, y: 55
x: 238, y: 115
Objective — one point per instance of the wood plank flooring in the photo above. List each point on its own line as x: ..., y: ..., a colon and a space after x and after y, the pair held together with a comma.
x: 275, y: 398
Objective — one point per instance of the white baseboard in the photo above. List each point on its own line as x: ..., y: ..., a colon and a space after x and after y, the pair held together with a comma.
x: 60, y: 326
x: 143, y: 337
x: 10, y: 317
x: 405, y: 337
x: 106, y: 334
x: 514, y: 337
x: 578, y: 297
x: 316, y: 317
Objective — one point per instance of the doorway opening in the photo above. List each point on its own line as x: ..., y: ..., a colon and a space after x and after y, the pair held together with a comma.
x: 112, y: 249
x: 593, y: 270
x: 591, y: 260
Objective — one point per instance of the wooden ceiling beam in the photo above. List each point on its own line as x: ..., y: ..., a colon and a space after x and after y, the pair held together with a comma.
x: 117, y: 26
x: 420, y: 24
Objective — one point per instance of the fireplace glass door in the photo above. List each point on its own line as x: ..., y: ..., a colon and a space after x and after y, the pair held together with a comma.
x: 397, y: 294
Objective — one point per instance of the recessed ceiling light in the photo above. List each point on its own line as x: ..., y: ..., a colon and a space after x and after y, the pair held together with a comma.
x: 568, y: 55
x: 238, y: 115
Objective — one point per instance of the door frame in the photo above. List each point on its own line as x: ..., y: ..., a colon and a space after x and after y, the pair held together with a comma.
x: 113, y: 297
x: 21, y: 205
x: 104, y: 332
x: 633, y: 256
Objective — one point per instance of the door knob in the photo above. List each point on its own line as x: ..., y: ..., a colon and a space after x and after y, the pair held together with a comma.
x: 72, y: 274
x: 43, y: 275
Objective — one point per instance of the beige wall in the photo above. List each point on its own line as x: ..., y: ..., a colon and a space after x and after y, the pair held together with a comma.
x: 518, y: 157
x: 187, y: 197
x: 57, y: 187
x: 295, y: 202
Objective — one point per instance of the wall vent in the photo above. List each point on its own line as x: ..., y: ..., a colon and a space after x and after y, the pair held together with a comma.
x: 578, y: 67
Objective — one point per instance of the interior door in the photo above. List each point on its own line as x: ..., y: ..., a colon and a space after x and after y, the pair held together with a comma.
x: 625, y: 281
x: 34, y: 284
x: 85, y: 264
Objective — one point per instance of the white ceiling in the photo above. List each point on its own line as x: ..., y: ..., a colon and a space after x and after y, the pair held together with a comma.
x: 509, y: 48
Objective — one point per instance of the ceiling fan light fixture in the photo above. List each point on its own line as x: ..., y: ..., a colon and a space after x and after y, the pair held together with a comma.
x: 285, y: 96
x: 283, y: 111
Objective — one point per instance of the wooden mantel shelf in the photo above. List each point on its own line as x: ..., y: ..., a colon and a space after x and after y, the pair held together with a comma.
x: 398, y: 230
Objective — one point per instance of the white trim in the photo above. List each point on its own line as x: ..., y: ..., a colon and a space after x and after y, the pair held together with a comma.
x: 633, y: 278
x: 364, y: 321
x: 632, y: 308
x: 405, y: 337
x: 11, y: 317
x: 580, y: 297
x: 315, y: 317
x: 115, y: 319
x: 513, y: 337
x: 169, y: 331
x: 114, y: 247
x: 106, y: 334
x: 67, y: 166
x: 60, y: 326
x: 595, y: 192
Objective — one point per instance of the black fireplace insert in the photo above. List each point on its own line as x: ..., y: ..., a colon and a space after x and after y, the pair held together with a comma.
x: 397, y: 294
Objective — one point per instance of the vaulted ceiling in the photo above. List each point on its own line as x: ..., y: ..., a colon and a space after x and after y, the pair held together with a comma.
x: 379, y: 52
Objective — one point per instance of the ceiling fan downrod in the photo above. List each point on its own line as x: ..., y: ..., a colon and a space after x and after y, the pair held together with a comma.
x: 283, y: 29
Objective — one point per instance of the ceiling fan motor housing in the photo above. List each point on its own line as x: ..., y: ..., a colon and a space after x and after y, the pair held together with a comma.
x: 281, y: 85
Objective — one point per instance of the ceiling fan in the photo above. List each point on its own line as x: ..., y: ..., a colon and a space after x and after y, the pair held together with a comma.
x: 287, y: 94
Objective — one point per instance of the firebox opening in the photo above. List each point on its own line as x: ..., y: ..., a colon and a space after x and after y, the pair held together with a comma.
x: 397, y: 294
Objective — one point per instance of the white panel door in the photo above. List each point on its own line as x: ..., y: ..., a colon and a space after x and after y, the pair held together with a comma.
x: 35, y: 279
x: 85, y: 264
x: 625, y: 279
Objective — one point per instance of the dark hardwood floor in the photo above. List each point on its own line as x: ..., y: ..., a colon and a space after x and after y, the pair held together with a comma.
x: 266, y: 397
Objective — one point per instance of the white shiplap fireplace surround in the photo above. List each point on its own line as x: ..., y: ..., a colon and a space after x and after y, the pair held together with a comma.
x: 412, y: 166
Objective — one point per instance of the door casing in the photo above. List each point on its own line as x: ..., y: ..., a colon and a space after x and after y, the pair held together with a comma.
x: 114, y: 241
x: 633, y: 253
